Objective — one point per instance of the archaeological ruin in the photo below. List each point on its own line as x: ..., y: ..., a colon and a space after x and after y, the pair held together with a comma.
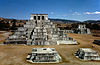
x: 43, y: 55
x: 18, y: 37
x: 82, y: 29
x: 87, y: 54
x: 39, y: 31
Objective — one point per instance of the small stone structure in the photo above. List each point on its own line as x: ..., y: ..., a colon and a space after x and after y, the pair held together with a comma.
x: 43, y: 55
x: 87, y: 54
x: 68, y: 31
x: 39, y: 31
x: 82, y: 29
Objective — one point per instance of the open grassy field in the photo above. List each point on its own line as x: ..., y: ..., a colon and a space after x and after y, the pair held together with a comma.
x: 16, y: 54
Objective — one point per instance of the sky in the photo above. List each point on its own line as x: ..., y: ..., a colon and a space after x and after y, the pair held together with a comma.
x: 80, y: 10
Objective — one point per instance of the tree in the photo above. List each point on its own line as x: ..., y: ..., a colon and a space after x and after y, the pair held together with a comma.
x: 13, y: 24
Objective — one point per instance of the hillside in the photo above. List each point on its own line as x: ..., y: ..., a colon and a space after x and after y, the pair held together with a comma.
x: 92, y: 21
x: 64, y: 20
x: 55, y: 20
x: 11, y: 24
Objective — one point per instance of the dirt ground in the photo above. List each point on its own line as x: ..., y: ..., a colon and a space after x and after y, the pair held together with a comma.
x: 4, y: 35
x: 16, y: 54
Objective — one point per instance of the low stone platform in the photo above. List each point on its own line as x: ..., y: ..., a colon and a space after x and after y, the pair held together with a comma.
x: 87, y: 54
x: 43, y: 55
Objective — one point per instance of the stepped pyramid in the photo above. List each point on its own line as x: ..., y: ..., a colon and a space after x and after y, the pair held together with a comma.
x: 40, y: 31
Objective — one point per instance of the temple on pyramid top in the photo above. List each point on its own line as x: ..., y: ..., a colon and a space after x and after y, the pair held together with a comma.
x: 39, y: 17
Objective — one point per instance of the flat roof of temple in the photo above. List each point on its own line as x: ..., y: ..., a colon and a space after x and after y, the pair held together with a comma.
x: 87, y: 50
x: 44, y: 50
x: 39, y: 14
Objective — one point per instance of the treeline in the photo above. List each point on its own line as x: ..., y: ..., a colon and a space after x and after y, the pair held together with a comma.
x: 92, y: 21
x: 92, y: 26
x: 5, y: 25
x: 11, y: 24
